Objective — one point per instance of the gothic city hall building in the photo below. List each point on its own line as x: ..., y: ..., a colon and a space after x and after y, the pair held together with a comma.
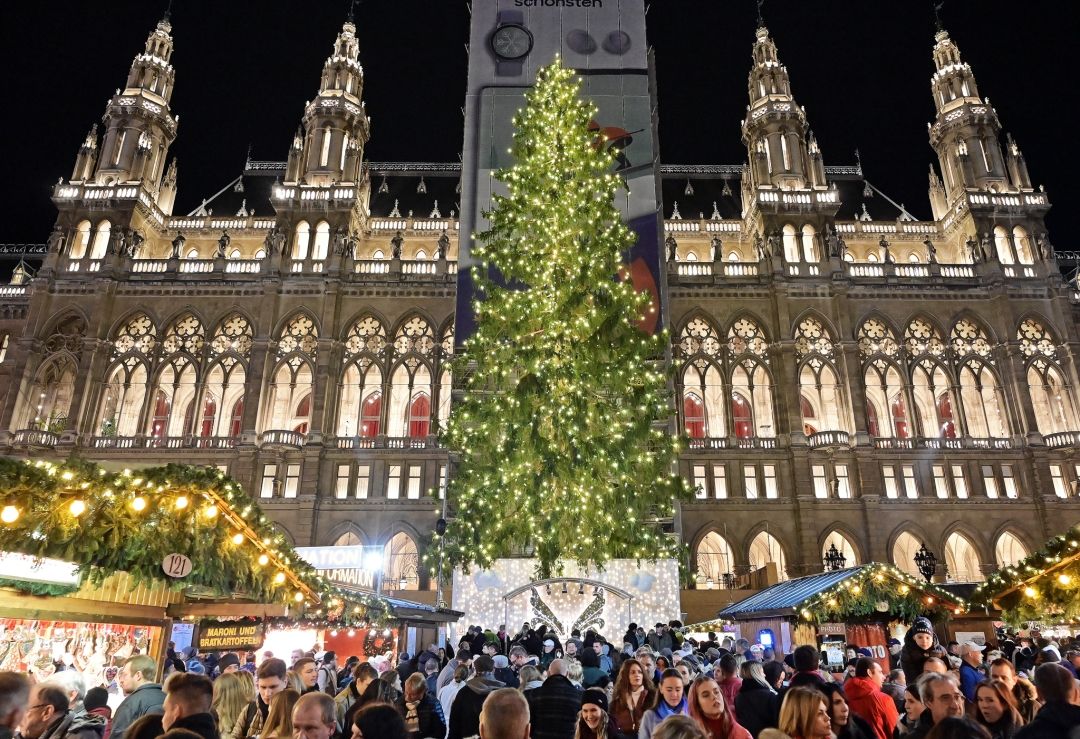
x: 844, y: 376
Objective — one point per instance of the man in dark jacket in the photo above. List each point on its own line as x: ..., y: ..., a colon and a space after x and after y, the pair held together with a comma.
x: 422, y: 713
x: 144, y: 696
x: 1059, y: 718
x: 187, y: 705
x: 554, y: 706
x: 465, y: 713
x: 14, y: 698
x: 48, y: 717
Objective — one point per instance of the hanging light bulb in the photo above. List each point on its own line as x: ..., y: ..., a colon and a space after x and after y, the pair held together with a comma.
x: 139, y: 504
x: 263, y: 559
x: 298, y: 597
x: 211, y: 511
x: 77, y: 507
x: 384, y: 188
x: 421, y: 189
x: 10, y: 514
x: 238, y: 538
x: 181, y: 503
x: 689, y: 188
x: 279, y: 578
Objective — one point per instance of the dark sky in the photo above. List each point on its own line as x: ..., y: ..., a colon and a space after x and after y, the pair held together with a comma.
x: 245, y: 69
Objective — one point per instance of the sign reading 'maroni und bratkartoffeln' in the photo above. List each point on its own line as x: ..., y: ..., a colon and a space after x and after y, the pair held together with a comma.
x: 224, y: 636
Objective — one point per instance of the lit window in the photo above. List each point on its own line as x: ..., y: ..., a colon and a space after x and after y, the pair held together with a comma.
x: 843, y: 488
x: 701, y: 484
x: 363, y: 480
x: 911, y: 489
x: 989, y: 481
x: 719, y: 474
x: 941, y: 487
x: 413, y: 491
x: 1060, y: 488
x: 419, y: 416
x: 269, y: 473
x: 342, y: 488
x: 821, y: 484
x: 694, y: 416
x: 292, y: 480
x: 750, y: 481
x: 770, y: 481
x: 959, y: 483
x: 393, y: 482
x: 1008, y: 481
x: 889, y: 473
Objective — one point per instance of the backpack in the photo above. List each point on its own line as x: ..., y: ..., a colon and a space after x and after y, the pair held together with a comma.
x: 331, y: 680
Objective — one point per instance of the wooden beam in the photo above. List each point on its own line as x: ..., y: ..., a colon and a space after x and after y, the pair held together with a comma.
x: 228, y: 610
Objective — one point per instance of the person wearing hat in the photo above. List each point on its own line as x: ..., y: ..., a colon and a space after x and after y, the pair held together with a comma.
x: 503, y: 672
x: 895, y: 645
x: 971, y: 671
x: 229, y: 662
x: 918, y: 643
x: 593, y: 717
x: 549, y: 654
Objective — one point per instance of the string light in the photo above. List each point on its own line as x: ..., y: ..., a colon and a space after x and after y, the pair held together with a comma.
x: 77, y: 507
x: 138, y: 504
x: 238, y: 538
x: 10, y: 514
x: 181, y: 503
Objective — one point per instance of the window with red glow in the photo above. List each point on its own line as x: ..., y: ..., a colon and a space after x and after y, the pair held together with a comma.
x: 945, y: 416
x: 159, y: 425
x: 209, y: 414
x: 900, y: 418
x: 370, y: 413
x: 237, y: 423
x: 419, y: 416
x: 743, y: 416
x: 871, y: 420
x: 694, y: 416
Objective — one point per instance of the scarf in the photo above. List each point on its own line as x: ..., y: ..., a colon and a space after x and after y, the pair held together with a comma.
x: 412, y: 719
x: 663, y: 710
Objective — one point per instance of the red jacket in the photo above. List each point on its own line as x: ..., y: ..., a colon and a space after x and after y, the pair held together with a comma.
x: 867, y: 701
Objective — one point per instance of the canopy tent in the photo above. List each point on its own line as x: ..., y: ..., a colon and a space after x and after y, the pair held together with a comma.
x: 145, y: 522
x: 1042, y: 587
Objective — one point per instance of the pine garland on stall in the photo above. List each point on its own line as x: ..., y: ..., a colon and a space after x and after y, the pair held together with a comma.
x: 1044, y: 587
x: 562, y: 432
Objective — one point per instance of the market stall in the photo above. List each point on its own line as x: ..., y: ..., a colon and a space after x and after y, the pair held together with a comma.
x: 1043, y: 588
x: 864, y: 605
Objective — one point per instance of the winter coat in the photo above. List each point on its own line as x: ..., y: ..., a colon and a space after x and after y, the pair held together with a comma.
x: 506, y: 675
x: 757, y: 707
x: 147, y: 698
x: 857, y: 728
x: 343, y: 702
x: 912, y: 657
x: 652, y: 719
x: 202, y: 724
x: 868, y: 702
x: 250, y: 721
x: 1053, y: 721
x: 922, y: 727
x: 1003, y: 729
x: 553, y: 708
x: 447, y: 697
x: 730, y: 687
x: 81, y: 726
x: 465, y: 713
x: 970, y: 677
x: 624, y: 722
x: 429, y: 714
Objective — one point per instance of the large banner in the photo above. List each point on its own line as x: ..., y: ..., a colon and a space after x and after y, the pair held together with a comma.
x: 604, y: 40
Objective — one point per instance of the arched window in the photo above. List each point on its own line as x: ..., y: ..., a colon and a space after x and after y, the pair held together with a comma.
x: 371, y: 416
x: 229, y: 351
x: 809, y: 416
x: 1003, y: 245
x: 101, y: 240
x: 702, y: 380
x: 421, y: 255
x: 361, y: 393
x: 962, y: 559
x: 1051, y: 396
x: 743, y: 416
x: 236, y: 419
x: 413, y: 351
x: 402, y: 564
x: 322, y: 241
x: 843, y: 546
x: 324, y: 155
x: 765, y: 549
x: 791, y: 244
x: 126, y: 382
x: 819, y: 384
x: 81, y: 241
x: 809, y: 244
x: 300, y: 240
x: 1022, y: 243
x: 715, y: 559
x: 159, y: 422
x: 930, y: 386
x: 980, y: 394
x: 1009, y: 550
x: 886, y: 405
x: 903, y: 554
x: 348, y: 539
x: 292, y: 383
x: 693, y: 415
x: 420, y: 416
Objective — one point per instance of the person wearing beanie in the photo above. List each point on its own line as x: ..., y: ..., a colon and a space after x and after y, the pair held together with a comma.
x: 96, y: 703
x: 229, y: 662
x: 503, y: 672
x: 592, y: 720
x: 919, y: 641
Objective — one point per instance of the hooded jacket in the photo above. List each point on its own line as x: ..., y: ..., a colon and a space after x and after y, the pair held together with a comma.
x: 912, y: 656
x: 866, y: 700
x: 1053, y: 721
x: 465, y: 713
x: 76, y: 726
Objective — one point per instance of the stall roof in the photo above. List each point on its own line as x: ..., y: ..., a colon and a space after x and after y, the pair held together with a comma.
x: 412, y: 610
x: 783, y: 598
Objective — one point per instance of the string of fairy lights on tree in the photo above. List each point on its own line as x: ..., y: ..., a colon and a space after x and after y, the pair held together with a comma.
x: 130, y: 521
x: 561, y: 435
x: 1043, y: 587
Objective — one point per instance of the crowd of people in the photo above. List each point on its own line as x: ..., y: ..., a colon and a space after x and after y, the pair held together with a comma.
x: 655, y: 684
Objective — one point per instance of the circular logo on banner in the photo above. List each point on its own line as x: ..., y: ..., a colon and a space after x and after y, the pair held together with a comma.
x: 176, y: 565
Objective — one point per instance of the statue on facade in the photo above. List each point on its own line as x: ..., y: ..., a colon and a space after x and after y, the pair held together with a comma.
x: 223, y: 245
x: 177, y: 246
x: 985, y: 251
x: 831, y: 242
x: 442, y: 248
x: 56, y: 240
x: 887, y: 253
x: 759, y: 248
x: 717, y: 248
x: 350, y: 247
x: 117, y: 243
x: 339, y: 241
x: 1043, y: 247
x: 137, y: 240
x: 774, y: 243
x: 671, y: 245
x: 842, y: 247
x: 931, y: 251
x: 972, y: 250
x: 396, y: 244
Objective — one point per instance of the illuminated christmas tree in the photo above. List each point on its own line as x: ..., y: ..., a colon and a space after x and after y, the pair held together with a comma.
x: 562, y: 433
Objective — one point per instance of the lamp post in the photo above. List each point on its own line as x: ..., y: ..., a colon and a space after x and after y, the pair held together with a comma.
x: 834, y: 559
x: 440, y: 529
x: 926, y: 562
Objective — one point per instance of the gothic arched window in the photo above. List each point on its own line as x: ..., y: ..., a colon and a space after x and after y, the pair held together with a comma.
x: 301, y: 240
x: 715, y: 559
x: 819, y: 383
x: 702, y: 380
x: 414, y: 353
x: 230, y: 349
x: 980, y: 393
x: 751, y: 383
x: 289, y: 402
x: 126, y: 381
x: 361, y: 392
x: 886, y: 404
x: 1051, y: 395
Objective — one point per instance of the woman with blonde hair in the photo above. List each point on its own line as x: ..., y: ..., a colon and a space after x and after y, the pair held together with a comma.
x: 529, y: 678
x: 804, y: 715
x: 593, y: 722
x: 232, y: 694
x: 278, y: 724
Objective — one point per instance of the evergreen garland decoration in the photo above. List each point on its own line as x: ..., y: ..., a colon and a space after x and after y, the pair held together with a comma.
x: 1043, y: 587
x: 562, y: 433
x: 129, y: 521
x: 857, y: 598
x: 37, y: 588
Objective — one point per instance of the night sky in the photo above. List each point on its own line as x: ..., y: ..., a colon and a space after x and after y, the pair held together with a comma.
x: 245, y: 69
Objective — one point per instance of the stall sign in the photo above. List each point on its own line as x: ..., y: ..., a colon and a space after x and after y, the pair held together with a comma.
x: 217, y: 636
x: 832, y: 629
x: 33, y: 569
x: 343, y: 565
